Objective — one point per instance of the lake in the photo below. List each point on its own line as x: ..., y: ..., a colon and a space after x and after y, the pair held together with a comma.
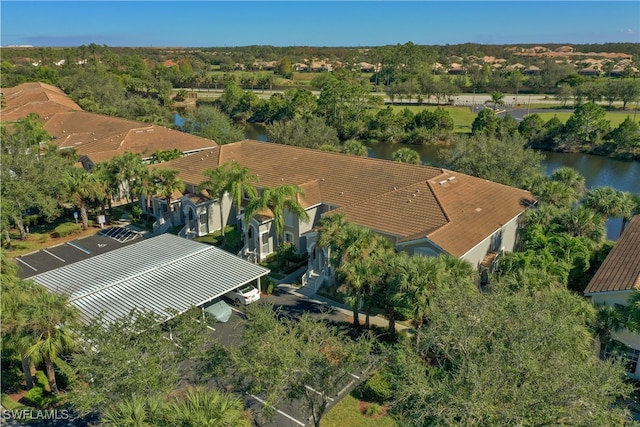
x: 598, y: 171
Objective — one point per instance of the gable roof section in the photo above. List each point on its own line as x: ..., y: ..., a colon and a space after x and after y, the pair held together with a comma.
x: 96, y: 136
x: 620, y: 270
x: 169, y: 273
x: 42, y: 99
x: 476, y: 209
x: 397, y: 199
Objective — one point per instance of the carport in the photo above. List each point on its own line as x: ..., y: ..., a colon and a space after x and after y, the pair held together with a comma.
x: 165, y: 274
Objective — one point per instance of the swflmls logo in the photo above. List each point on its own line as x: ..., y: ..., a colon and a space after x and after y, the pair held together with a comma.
x: 32, y: 414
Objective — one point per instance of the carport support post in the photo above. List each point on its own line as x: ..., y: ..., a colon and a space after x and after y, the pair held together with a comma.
x: 259, y: 288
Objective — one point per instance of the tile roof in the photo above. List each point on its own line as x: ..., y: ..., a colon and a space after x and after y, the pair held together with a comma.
x: 42, y: 99
x: 96, y: 136
x: 397, y: 199
x: 476, y: 209
x: 620, y: 271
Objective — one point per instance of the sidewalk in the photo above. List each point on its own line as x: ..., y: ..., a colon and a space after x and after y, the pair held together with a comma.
x: 285, y: 285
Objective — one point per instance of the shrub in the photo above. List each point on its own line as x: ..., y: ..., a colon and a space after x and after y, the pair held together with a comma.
x: 377, y: 388
x: 373, y: 410
x: 43, y: 238
x: 269, y: 285
x: 34, y: 397
x: 66, y: 229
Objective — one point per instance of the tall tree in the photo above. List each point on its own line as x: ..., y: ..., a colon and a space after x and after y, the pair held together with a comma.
x: 503, y: 160
x: 277, y: 200
x: 30, y: 172
x: 128, y: 168
x: 483, y: 367
x: 140, y: 353
x: 51, y: 320
x: 167, y: 182
x: 83, y: 187
x: 233, y: 179
x: 309, y: 360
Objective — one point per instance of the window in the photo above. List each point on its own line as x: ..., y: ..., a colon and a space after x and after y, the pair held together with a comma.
x: 288, y: 237
x: 203, y: 218
x: 629, y: 355
x: 265, y: 238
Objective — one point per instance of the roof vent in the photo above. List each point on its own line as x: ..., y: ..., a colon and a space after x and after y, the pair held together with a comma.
x: 395, y: 188
x: 444, y: 181
x: 478, y: 209
x: 409, y: 201
x: 322, y: 179
x: 341, y: 193
x: 451, y: 178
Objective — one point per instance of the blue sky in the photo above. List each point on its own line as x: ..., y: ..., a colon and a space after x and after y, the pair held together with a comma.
x: 315, y: 23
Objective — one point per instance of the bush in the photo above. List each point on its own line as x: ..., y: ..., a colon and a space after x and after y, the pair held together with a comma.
x: 373, y: 410
x: 43, y: 238
x: 269, y: 286
x: 66, y: 229
x: 377, y: 388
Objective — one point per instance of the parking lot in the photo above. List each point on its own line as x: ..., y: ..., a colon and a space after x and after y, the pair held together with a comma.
x: 76, y: 250
x: 228, y: 334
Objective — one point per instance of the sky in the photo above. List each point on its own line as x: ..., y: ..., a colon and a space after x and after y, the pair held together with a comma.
x: 315, y: 23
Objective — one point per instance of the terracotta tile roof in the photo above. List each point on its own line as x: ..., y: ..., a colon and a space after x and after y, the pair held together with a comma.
x: 397, y: 199
x: 42, y: 99
x: 102, y: 137
x: 476, y: 209
x: 620, y: 271
x: 95, y: 136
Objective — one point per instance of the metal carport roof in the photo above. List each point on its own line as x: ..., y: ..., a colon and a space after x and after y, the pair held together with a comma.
x: 160, y: 274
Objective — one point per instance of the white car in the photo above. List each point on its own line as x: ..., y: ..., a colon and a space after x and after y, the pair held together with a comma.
x: 244, y: 295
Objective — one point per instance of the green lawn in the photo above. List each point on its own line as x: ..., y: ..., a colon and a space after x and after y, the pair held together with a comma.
x: 347, y: 413
x: 614, y: 117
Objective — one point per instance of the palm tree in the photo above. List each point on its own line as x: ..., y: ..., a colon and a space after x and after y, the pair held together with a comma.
x: 606, y: 201
x: 129, y: 167
x: 572, y: 179
x: 16, y: 299
x: 355, y: 274
x: 146, y: 186
x: 418, y: 283
x: 554, y: 193
x: 210, y: 408
x: 167, y: 183
x: 497, y: 98
x: 229, y: 178
x: 609, y: 319
x: 137, y: 411
x: 406, y: 155
x: 50, y: 320
x: 277, y: 200
x: 331, y: 234
x: 583, y: 222
x: 82, y: 187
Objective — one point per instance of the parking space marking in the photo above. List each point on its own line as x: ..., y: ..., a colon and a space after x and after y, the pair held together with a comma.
x: 316, y: 391
x: 53, y: 255
x: 300, y: 423
x: 33, y: 268
x: 80, y: 248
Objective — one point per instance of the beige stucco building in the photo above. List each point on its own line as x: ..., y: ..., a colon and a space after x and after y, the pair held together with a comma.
x: 615, y: 281
x: 421, y: 209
